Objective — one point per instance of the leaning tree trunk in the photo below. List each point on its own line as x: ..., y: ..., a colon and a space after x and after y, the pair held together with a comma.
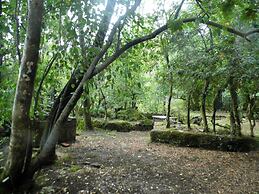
x: 189, y: 111
x: 52, y: 139
x: 77, y: 76
x: 203, y: 106
x: 234, y: 105
x: 20, y: 144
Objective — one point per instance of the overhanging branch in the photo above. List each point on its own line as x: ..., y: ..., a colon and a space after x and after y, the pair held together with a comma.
x: 158, y: 31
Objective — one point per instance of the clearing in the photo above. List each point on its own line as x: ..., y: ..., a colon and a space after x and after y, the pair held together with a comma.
x: 116, y: 162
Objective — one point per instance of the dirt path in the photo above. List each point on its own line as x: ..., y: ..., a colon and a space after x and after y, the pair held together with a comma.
x: 111, y: 162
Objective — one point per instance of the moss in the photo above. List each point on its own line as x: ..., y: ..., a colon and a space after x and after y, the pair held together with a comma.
x: 131, y: 115
x: 124, y: 126
x: 120, y: 126
x: 201, y: 140
x: 98, y: 123
x: 75, y: 168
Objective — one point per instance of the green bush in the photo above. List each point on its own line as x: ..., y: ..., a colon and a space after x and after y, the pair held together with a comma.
x: 123, y: 126
x: 130, y: 115
x: 202, y: 140
x: 117, y: 125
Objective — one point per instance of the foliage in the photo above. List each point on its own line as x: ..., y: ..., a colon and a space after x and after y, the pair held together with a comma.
x: 206, y: 141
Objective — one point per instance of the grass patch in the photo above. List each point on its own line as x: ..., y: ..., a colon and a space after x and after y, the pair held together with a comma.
x: 203, y: 140
x: 74, y: 168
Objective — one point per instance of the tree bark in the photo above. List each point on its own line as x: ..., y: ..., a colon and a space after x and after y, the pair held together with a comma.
x: 215, y: 108
x: 87, y: 112
x: 203, y: 106
x: 189, y: 111
x: 250, y: 113
x: 20, y: 144
x: 169, y: 106
x: 170, y: 90
x: 1, y: 39
x: 234, y: 106
x: 17, y: 29
x: 105, y: 105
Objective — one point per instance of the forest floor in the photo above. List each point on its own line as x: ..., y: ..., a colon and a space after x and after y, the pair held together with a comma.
x: 116, y: 162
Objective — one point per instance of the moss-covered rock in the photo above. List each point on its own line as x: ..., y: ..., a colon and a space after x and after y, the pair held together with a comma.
x: 202, y: 140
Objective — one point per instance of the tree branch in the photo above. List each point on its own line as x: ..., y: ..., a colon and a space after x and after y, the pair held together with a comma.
x: 158, y: 31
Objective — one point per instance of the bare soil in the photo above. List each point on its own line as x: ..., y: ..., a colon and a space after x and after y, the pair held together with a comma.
x: 116, y: 162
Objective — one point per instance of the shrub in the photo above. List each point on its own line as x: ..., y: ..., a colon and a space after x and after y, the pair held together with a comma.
x: 123, y: 126
x: 206, y: 141
x: 131, y: 115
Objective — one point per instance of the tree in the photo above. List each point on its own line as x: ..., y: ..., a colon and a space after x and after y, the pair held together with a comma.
x: 19, y: 156
x: 105, y: 54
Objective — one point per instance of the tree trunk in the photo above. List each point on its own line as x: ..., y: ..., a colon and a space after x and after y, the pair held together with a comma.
x: 20, y: 144
x: 215, y: 107
x: 164, y: 106
x: 133, y: 101
x: 250, y: 113
x: 51, y: 141
x: 234, y: 103
x: 1, y: 39
x: 170, y: 90
x: 232, y: 122
x: 105, y: 105
x: 87, y: 112
x: 77, y: 76
x: 169, y: 107
x: 189, y: 111
x: 203, y: 106
x: 85, y: 65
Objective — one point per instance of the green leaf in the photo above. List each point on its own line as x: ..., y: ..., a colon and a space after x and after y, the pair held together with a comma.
x: 175, y: 25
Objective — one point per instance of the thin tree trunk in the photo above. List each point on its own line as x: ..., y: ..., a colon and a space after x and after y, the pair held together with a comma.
x: 250, y: 113
x: 20, y: 144
x: 215, y: 108
x: 37, y: 95
x: 17, y: 29
x: 203, y: 106
x: 105, y: 105
x: 232, y: 122
x: 169, y: 107
x: 170, y: 91
x: 133, y: 102
x: 234, y: 102
x: 164, y: 106
x: 189, y: 111
x: 87, y: 113
x: 85, y: 65
x: 1, y: 44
